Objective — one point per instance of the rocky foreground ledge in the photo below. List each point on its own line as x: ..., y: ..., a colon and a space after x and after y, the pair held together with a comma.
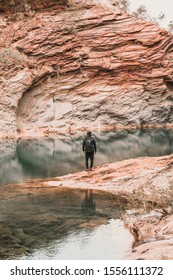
x: 153, y: 176
x: 153, y: 232
x: 122, y: 178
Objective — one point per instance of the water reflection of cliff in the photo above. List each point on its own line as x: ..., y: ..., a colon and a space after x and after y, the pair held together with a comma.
x: 29, y: 221
x: 49, y: 157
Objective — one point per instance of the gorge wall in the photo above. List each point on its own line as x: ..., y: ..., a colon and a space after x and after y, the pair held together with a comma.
x: 69, y: 66
x: 10, y: 7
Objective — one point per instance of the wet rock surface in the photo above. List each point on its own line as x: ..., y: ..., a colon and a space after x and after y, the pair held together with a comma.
x: 67, y: 69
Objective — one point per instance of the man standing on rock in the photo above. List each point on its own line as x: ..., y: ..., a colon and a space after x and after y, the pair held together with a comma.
x: 89, y: 147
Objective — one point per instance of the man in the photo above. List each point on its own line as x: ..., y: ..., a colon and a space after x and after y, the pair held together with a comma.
x: 89, y: 147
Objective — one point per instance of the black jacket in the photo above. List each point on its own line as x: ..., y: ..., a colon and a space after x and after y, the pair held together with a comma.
x: 93, y: 141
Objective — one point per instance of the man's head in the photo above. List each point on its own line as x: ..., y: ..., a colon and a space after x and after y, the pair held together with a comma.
x: 89, y: 133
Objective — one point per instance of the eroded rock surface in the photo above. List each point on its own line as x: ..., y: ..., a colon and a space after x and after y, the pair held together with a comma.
x: 123, y: 177
x: 154, y: 239
x: 67, y: 67
x: 16, y: 6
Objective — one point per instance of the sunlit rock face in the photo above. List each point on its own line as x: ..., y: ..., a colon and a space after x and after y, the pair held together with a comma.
x: 70, y: 67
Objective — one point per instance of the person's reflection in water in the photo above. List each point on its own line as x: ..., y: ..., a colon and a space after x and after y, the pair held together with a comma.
x: 88, y: 204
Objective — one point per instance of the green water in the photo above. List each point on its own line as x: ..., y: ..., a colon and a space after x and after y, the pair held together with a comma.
x: 38, y: 223
x: 50, y: 157
x: 61, y: 224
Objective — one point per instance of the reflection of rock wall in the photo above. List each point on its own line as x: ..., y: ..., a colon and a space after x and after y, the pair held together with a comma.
x: 30, y: 218
x: 88, y: 67
x: 10, y: 169
x: 117, y: 146
x: 51, y: 157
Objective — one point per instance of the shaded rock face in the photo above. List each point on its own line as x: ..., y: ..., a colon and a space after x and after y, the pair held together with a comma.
x: 11, y: 6
x: 63, y: 70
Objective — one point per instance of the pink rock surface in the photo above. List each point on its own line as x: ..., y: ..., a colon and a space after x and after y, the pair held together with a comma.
x: 67, y: 68
x: 154, y: 237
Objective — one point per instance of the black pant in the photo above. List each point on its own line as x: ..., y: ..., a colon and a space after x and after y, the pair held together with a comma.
x: 89, y: 155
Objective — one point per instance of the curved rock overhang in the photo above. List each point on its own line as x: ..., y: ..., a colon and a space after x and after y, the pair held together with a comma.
x: 67, y: 69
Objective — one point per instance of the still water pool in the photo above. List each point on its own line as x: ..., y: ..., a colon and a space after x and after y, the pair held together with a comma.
x: 61, y: 224
x: 50, y: 157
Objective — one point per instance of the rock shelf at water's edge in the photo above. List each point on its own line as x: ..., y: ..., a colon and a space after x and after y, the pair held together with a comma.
x: 122, y: 179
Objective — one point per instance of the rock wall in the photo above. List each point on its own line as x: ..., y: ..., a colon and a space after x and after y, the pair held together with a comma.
x: 91, y: 66
x: 154, y: 237
x: 12, y: 6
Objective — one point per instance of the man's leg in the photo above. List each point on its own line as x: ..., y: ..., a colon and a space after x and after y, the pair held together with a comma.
x: 91, y: 159
x: 86, y: 160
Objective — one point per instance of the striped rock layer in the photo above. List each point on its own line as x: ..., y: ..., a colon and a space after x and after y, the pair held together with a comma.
x: 68, y: 67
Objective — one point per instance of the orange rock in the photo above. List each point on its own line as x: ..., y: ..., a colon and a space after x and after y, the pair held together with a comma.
x: 94, y: 66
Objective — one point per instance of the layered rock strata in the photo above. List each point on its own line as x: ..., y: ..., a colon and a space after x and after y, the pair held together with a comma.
x: 153, y: 238
x: 9, y: 7
x: 69, y: 68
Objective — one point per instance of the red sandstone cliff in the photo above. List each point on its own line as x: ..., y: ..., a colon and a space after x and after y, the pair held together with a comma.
x: 10, y: 6
x: 69, y: 67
